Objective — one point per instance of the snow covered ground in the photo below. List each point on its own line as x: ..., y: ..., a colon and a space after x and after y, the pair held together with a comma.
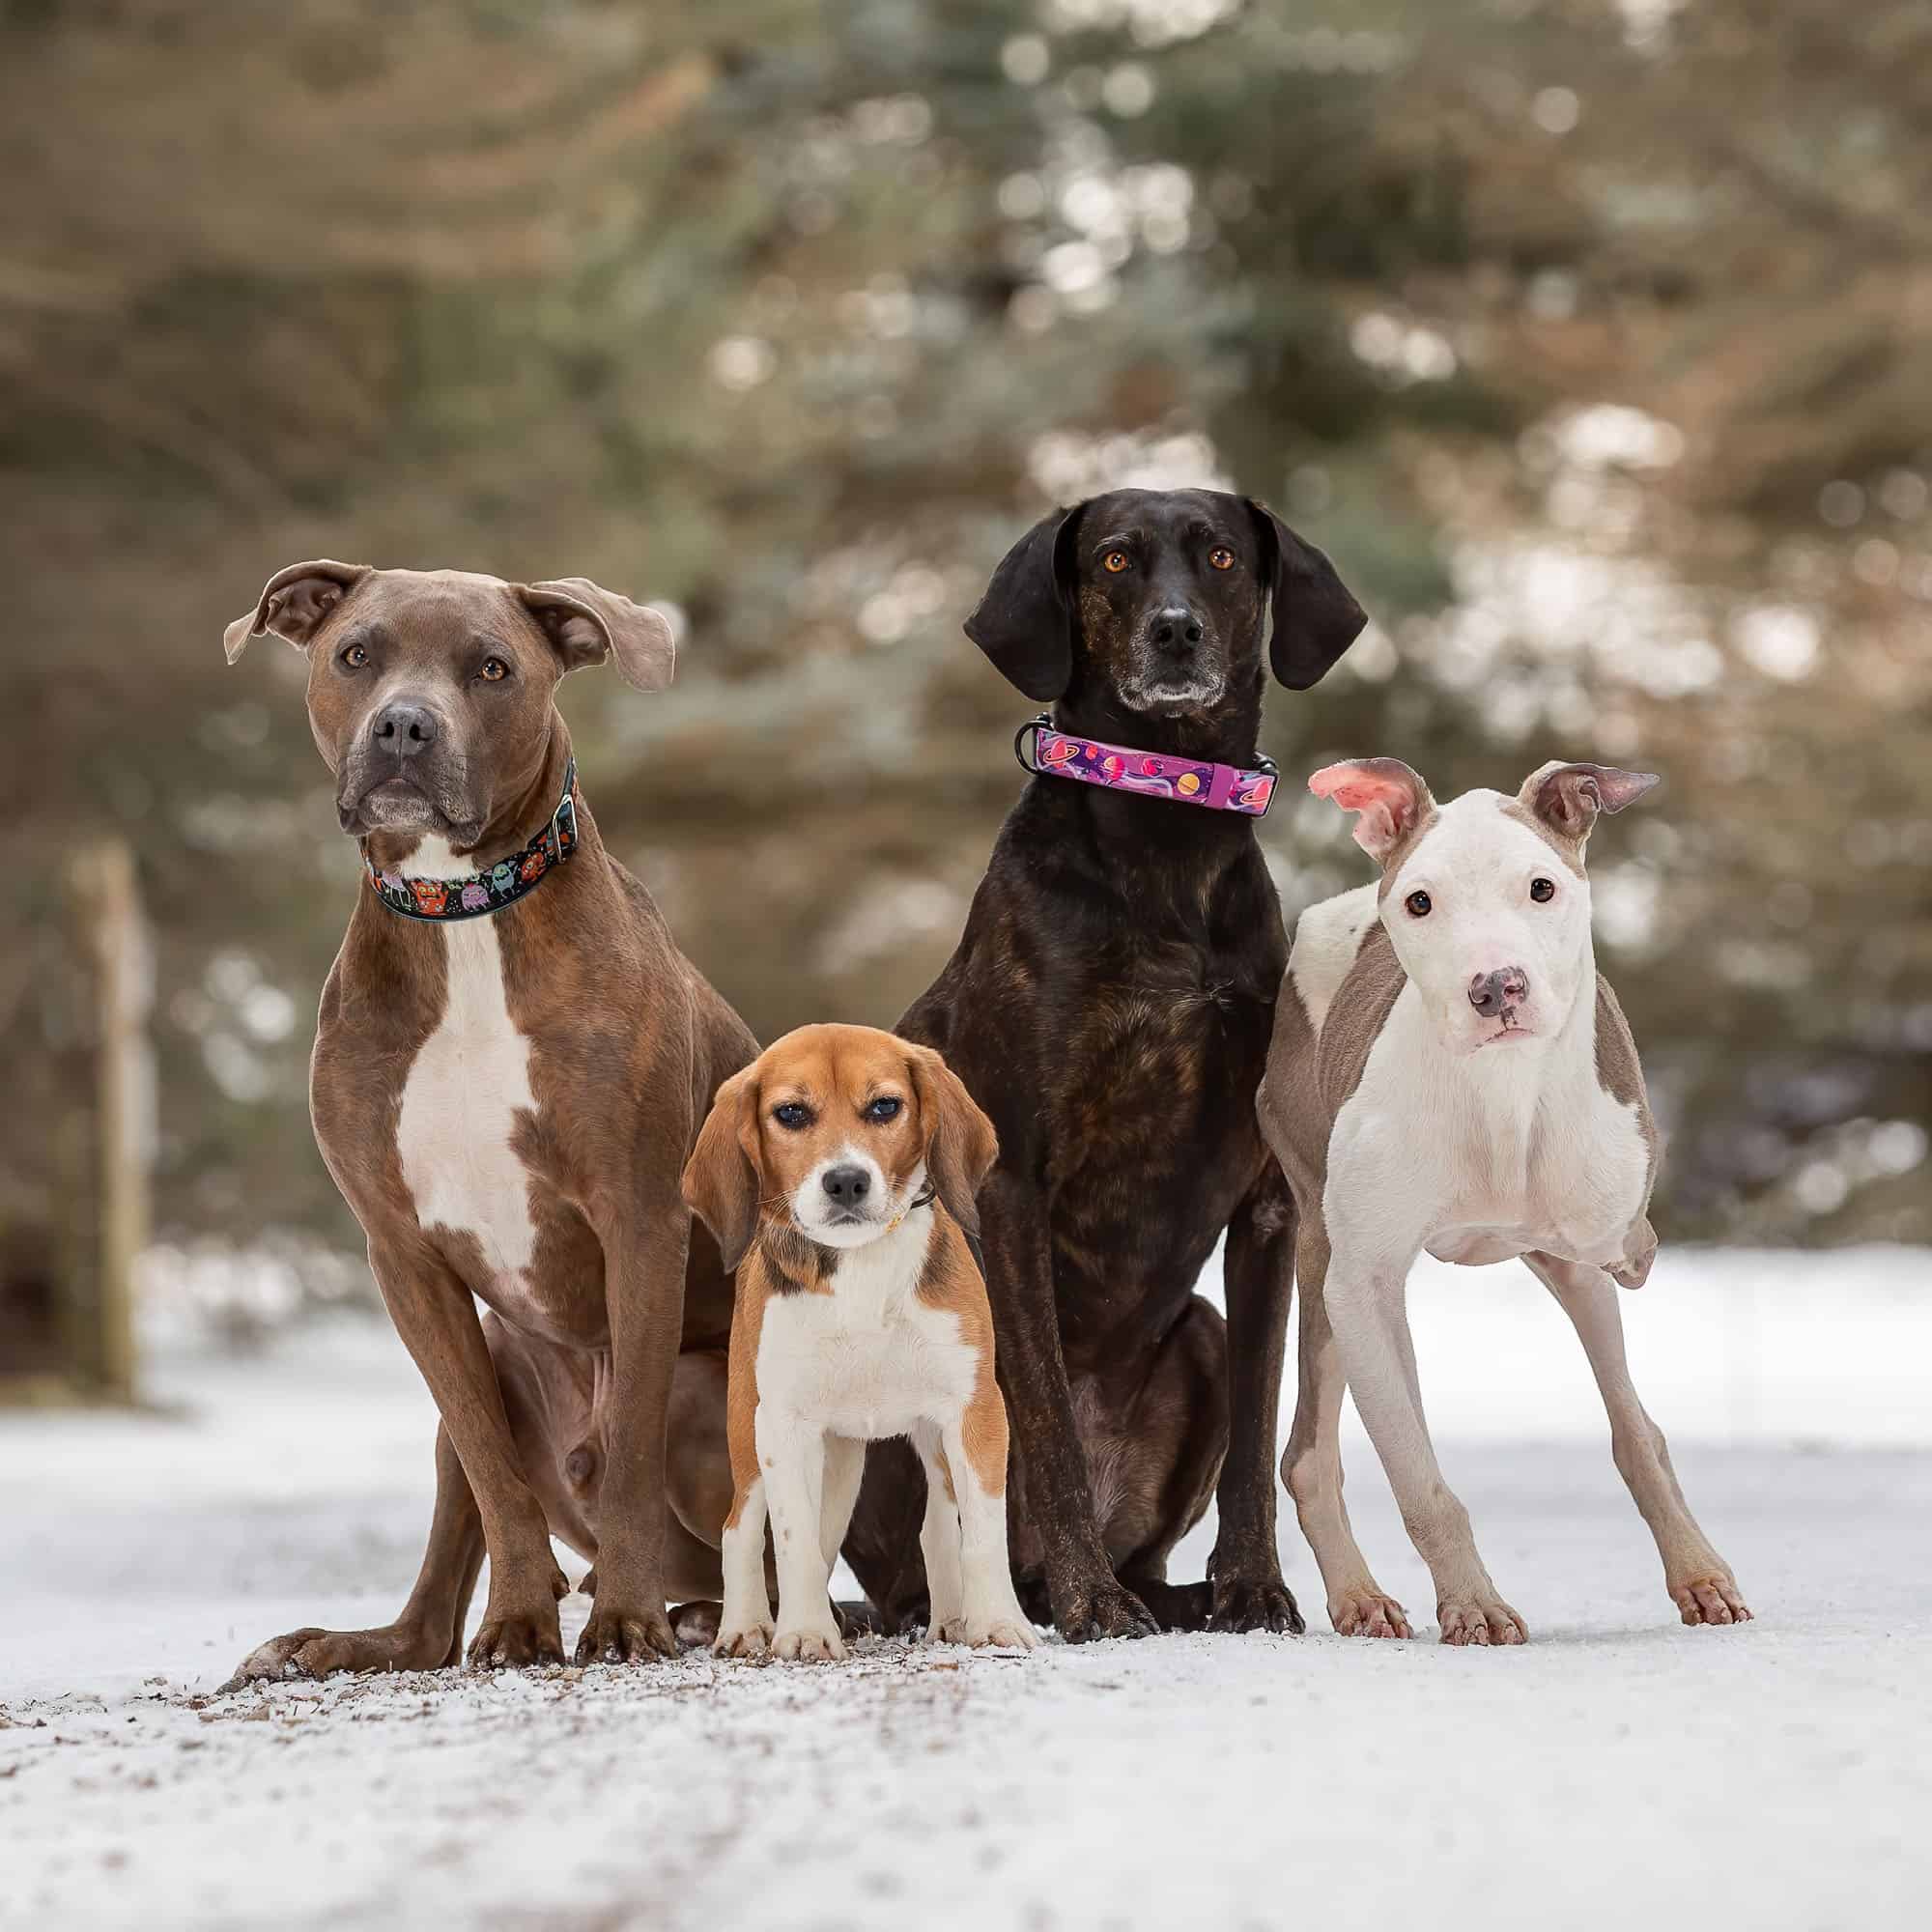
x: 1620, y: 1771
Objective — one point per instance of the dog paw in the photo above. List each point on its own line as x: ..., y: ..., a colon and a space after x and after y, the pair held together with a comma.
x: 1254, y: 1604
x: 997, y: 1633
x: 1087, y: 1612
x: 1473, y: 1620
x: 507, y: 1643
x: 1711, y: 1600
x: 1368, y: 1612
x: 615, y: 1635
x: 809, y: 1646
x: 318, y: 1653
x: 744, y: 1640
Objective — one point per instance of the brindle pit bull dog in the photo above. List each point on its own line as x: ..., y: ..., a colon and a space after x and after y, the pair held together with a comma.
x: 505, y: 1088
x: 1109, y: 1007
x: 1450, y: 1072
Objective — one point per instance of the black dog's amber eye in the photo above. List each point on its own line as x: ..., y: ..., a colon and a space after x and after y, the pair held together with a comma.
x: 495, y: 670
x: 355, y: 657
x: 792, y: 1114
x: 885, y: 1108
x: 1418, y: 904
x: 1221, y: 557
x: 1117, y: 561
x: 1543, y: 891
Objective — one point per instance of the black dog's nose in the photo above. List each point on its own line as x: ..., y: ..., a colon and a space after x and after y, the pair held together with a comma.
x: 403, y: 730
x: 1177, y: 627
x: 847, y: 1185
x: 1491, y: 992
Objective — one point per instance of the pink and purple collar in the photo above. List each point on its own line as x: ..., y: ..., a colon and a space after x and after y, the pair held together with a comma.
x: 1152, y: 774
x: 498, y: 886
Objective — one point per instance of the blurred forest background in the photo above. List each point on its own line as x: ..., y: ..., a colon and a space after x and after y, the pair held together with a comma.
x: 1593, y: 338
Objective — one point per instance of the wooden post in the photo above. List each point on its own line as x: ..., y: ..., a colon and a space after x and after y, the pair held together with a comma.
x: 116, y: 946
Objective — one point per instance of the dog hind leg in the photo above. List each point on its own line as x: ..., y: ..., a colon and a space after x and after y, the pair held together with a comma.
x: 1699, y: 1581
x: 428, y: 1633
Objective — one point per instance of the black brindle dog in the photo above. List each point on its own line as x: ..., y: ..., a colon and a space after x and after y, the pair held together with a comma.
x: 1109, y: 1007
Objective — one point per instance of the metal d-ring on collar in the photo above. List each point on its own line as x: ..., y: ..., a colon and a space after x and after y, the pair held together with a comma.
x: 503, y: 884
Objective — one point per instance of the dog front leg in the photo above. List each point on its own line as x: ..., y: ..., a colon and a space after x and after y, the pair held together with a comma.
x: 1367, y: 1299
x: 436, y: 1316
x: 974, y: 1449
x: 1086, y: 1600
x: 1249, y: 1590
x: 1310, y: 1465
x: 791, y: 1454
x: 1699, y: 1581
x: 644, y: 1256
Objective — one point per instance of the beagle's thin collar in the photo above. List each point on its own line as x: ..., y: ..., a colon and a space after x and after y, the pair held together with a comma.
x: 497, y: 886
x: 1152, y: 774
x: 925, y: 1198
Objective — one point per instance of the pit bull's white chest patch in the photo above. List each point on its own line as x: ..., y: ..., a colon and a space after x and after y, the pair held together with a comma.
x: 466, y: 1092
x: 870, y: 1358
x: 1491, y: 1157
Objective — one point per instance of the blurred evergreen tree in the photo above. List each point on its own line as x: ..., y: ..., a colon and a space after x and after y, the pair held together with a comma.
x: 1615, y: 410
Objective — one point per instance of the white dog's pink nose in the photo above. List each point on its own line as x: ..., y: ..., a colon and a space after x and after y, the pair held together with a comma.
x: 1490, y: 993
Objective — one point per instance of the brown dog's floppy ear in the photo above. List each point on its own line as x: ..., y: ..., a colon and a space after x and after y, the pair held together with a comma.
x: 587, y: 624
x: 1315, y: 617
x: 961, y: 1144
x: 1024, y: 621
x: 1567, y: 798
x: 293, y: 604
x: 720, y: 1179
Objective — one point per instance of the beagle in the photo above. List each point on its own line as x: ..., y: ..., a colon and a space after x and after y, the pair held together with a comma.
x: 838, y: 1173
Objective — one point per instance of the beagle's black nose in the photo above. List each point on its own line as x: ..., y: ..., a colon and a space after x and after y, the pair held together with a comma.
x: 403, y: 730
x: 847, y: 1185
x: 1177, y: 628
x: 1491, y: 992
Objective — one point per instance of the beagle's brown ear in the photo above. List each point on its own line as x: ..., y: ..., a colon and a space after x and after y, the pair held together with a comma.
x: 721, y: 1181
x: 1024, y: 621
x: 293, y: 602
x: 586, y: 624
x: 961, y: 1144
x: 1315, y: 616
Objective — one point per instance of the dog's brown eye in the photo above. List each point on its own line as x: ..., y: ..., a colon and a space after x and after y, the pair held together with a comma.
x: 1221, y: 557
x: 1418, y: 905
x: 1543, y: 891
x: 1117, y: 561
x: 792, y: 1114
x: 885, y: 1108
x: 495, y: 670
x: 355, y: 657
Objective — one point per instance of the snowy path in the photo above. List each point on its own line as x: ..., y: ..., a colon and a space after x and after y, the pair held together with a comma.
x: 1619, y: 1771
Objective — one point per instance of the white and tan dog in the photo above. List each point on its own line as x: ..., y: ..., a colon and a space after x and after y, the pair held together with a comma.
x: 1448, y: 1073
x: 838, y: 1173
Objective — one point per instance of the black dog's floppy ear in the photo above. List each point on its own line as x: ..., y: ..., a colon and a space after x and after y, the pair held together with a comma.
x: 1024, y: 622
x: 1315, y: 619
x: 293, y: 604
x: 587, y: 624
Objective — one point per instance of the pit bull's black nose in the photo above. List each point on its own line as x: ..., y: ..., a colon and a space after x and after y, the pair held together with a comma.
x: 847, y: 1185
x: 1176, y: 628
x: 1491, y: 992
x: 403, y: 730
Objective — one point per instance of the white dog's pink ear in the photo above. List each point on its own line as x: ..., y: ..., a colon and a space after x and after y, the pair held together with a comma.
x: 1568, y: 798
x: 1392, y: 800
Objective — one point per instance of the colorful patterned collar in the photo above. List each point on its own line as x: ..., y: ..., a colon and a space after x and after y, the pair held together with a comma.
x: 503, y: 884
x: 1152, y: 774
